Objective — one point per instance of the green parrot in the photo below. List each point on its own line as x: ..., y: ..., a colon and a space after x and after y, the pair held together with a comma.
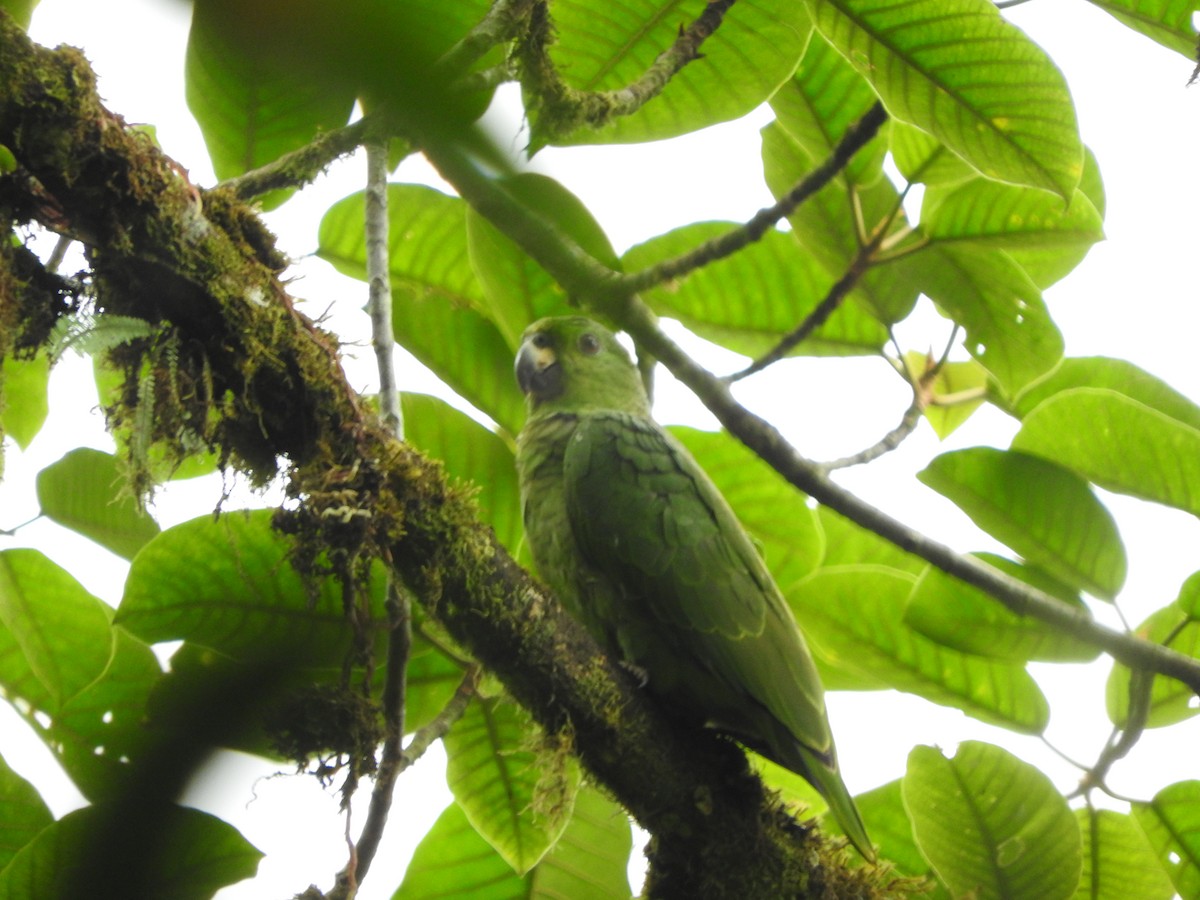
x: 639, y: 544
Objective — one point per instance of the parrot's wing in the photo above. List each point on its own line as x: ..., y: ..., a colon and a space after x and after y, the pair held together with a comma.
x: 644, y: 512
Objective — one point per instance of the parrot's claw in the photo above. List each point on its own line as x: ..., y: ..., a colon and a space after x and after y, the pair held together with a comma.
x: 642, y: 676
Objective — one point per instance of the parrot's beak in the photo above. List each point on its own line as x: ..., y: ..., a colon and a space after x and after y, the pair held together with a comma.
x: 538, y: 372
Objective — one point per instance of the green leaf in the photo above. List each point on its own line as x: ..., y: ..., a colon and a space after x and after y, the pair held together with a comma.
x: 23, y: 403
x: 1170, y: 701
x: 472, y: 454
x: 98, y: 732
x: 922, y: 158
x: 1046, y: 237
x: 228, y: 585
x: 1167, y: 21
x: 991, y: 825
x: 848, y: 544
x: 744, y: 61
x: 591, y: 859
x: 750, y: 300
x: 253, y: 106
x: 87, y: 492
x: 962, y: 617
x: 954, y: 393
x: 1117, y: 443
x: 20, y: 10
x: 58, y: 635
x: 519, y: 800
x: 825, y: 225
x: 440, y: 313
x: 1171, y: 822
x: 518, y: 290
x: 1008, y: 328
x: 432, y: 679
x: 1118, y: 861
x: 22, y: 810
x: 197, y: 855
x: 777, y: 516
x: 453, y: 860
x: 1117, y: 375
x: 853, y: 616
x: 824, y: 98
x: 1045, y: 512
x: 588, y: 863
x: 958, y: 70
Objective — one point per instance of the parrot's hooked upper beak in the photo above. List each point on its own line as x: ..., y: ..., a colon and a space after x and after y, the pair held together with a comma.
x: 538, y: 371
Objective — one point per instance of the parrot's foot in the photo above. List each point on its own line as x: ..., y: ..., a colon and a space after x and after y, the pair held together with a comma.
x: 642, y: 676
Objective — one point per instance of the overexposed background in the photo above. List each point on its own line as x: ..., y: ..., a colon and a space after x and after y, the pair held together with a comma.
x: 1135, y: 296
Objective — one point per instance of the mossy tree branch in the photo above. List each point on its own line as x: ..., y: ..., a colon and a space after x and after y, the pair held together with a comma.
x: 202, y: 264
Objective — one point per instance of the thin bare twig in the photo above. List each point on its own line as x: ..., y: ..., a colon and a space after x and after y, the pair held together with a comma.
x: 379, y: 283
x: 856, y: 136
x: 424, y: 737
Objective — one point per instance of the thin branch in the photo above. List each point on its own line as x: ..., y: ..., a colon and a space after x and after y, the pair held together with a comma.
x: 819, y: 315
x: 562, y: 109
x: 302, y: 166
x: 886, y: 444
x: 379, y: 303
x: 856, y: 136
x: 424, y: 737
x: 503, y: 22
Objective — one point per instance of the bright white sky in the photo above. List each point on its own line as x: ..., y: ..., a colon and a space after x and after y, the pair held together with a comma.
x: 1136, y: 296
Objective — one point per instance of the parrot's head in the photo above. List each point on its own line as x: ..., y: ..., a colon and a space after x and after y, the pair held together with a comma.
x: 572, y: 363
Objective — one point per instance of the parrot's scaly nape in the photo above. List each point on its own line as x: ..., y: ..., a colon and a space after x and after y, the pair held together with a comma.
x: 634, y: 538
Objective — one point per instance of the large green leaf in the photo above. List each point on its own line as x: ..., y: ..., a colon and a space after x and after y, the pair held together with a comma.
x: 848, y: 544
x: 22, y: 810
x: 750, y: 300
x: 1007, y: 326
x: 588, y: 863
x: 853, y: 616
x: 1118, y: 862
x: 440, y: 311
x: 87, y: 491
x: 1046, y: 513
x: 23, y: 403
x: 99, y: 731
x: 1170, y: 701
x: 197, y: 854
x: 1170, y: 22
x: 1171, y: 821
x: 1117, y: 375
x: 744, y: 61
x: 1117, y: 443
x: 20, y: 10
x: 922, y: 158
x: 473, y: 454
x: 591, y: 859
x: 518, y: 290
x: 962, y: 617
x: 519, y: 800
x: 1047, y: 237
x: 958, y: 70
x: 824, y: 98
x: 253, y: 106
x: 825, y: 224
x: 773, y: 511
x: 56, y: 638
x: 992, y: 826
x: 227, y: 584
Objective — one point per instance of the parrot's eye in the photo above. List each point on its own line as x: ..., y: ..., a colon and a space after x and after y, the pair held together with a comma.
x: 541, y: 340
x: 589, y: 344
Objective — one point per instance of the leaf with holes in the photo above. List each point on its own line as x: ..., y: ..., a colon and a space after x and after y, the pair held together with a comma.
x: 992, y: 826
